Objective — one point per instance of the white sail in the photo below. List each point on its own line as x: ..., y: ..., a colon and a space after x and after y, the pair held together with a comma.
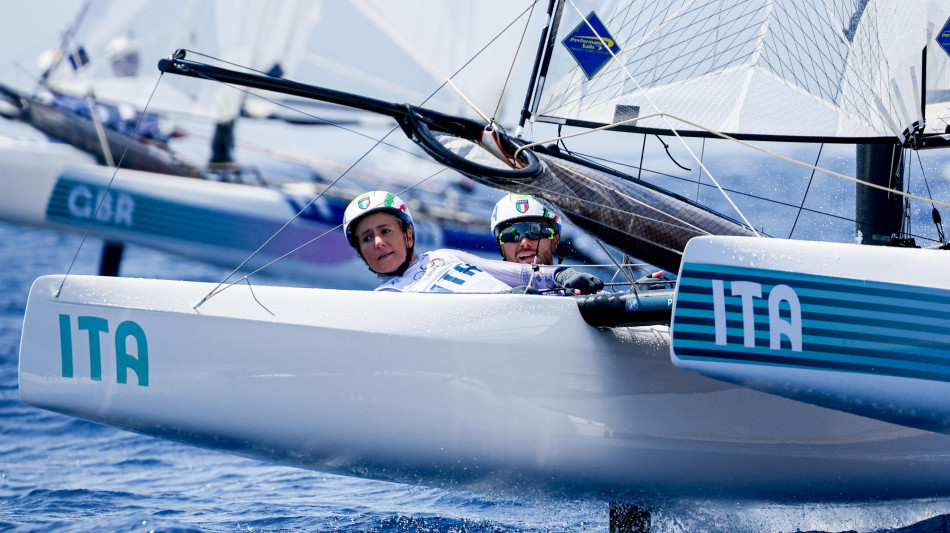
x: 838, y: 69
x: 123, y: 41
x: 938, y: 69
x: 412, y: 57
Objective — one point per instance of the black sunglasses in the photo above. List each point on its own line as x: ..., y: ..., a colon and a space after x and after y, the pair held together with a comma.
x: 532, y: 230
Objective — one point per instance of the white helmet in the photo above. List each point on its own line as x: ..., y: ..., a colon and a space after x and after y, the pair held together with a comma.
x: 517, y: 206
x: 372, y: 202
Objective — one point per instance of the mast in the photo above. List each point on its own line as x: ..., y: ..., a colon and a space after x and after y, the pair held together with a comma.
x: 879, y: 214
x: 539, y: 70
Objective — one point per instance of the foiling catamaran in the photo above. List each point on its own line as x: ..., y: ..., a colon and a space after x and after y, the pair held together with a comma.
x: 779, y: 370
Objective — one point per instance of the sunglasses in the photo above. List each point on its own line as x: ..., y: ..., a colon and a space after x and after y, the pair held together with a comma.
x: 532, y: 230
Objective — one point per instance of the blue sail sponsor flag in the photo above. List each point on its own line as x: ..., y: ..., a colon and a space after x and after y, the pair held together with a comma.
x: 943, y: 37
x: 591, y: 48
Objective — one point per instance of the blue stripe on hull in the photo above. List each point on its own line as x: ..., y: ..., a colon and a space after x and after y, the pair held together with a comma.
x: 845, y: 325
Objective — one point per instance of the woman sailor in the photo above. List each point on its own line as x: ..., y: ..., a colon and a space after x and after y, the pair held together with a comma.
x: 379, y: 227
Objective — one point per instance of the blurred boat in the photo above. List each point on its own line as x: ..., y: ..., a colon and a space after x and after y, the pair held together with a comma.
x: 94, y: 96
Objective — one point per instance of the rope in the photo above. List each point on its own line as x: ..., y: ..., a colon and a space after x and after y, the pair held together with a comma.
x: 467, y: 101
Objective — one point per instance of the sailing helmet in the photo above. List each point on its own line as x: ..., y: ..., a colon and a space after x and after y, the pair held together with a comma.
x: 518, y: 206
x: 371, y: 202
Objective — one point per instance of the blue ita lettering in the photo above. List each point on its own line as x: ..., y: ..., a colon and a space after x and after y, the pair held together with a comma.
x: 747, y: 292
x: 95, y: 327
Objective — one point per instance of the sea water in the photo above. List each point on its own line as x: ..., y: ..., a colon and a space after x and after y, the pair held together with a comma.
x: 58, y: 473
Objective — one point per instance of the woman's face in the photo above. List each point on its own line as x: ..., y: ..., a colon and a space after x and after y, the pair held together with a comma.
x: 382, y: 242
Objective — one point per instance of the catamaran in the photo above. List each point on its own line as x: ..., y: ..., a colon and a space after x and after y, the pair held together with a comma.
x: 779, y: 369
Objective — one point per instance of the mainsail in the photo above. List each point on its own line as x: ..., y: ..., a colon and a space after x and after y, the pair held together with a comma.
x: 830, y: 71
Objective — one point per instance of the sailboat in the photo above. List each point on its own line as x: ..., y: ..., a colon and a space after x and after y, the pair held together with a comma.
x: 779, y: 369
x: 93, y: 99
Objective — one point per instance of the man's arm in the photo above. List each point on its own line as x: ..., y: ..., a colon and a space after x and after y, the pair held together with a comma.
x: 512, y: 274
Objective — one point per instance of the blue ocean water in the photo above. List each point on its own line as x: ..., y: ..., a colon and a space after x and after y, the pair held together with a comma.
x: 58, y: 473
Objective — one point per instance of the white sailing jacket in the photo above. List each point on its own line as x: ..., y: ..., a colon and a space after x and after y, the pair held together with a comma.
x: 455, y: 271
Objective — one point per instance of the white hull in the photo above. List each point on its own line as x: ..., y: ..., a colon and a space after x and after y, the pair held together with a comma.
x: 221, y: 223
x: 500, y: 392
x: 863, y: 329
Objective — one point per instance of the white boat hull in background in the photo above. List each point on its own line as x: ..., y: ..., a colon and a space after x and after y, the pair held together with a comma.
x: 217, y: 222
x: 221, y: 223
x: 497, y: 392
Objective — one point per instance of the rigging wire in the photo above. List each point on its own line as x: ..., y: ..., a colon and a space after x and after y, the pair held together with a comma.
x: 643, y: 150
x: 219, y: 289
x: 292, y: 219
x: 807, y: 188
x: 699, y: 174
x: 448, y: 81
x: 736, y: 192
x: 470, y: 103
x: 934, y: 213
x: 482, y: 50
x: 616, y: 264
x: 664, y: 115
x: 514, y: 60
x: 747, y: 145
x: 378, y: 142
x: 102, y: 198
x: 305, y: 113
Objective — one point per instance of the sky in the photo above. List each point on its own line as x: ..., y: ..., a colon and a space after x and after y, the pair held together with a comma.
x: 28, y: 28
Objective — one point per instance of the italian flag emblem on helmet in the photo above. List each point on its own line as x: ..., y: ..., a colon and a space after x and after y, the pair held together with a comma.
x: 522, y: 205
x: 363, y: 203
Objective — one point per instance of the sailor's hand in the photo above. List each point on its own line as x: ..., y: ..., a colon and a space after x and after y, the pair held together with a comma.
x: 655, y: 281
x: 523, y: 289
x: 580, y: 282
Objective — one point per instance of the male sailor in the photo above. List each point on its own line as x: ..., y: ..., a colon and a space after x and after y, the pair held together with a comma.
x: 379, y: 227
x: 527, y: 232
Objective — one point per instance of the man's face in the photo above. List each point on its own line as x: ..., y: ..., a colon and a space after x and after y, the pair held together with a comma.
x: 524, y: 249
x: 382, y: 242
